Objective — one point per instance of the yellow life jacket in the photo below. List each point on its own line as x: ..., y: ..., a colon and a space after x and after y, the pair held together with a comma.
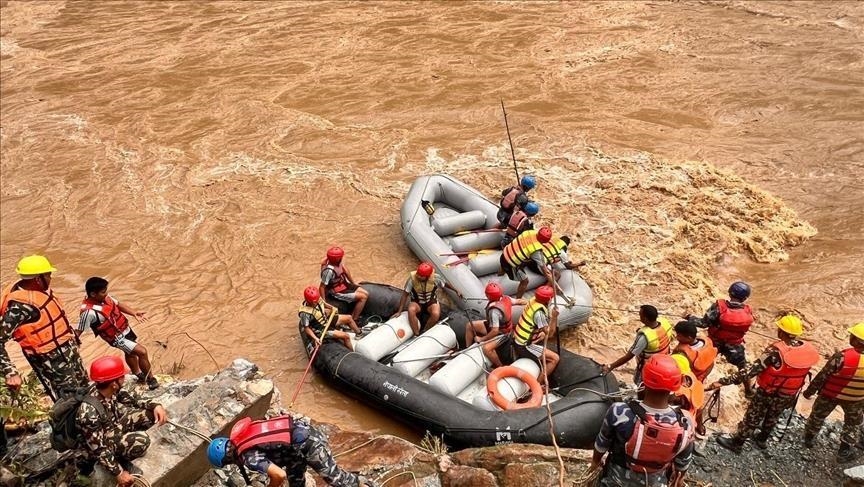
x: 658, y: 338
x: 423, y: 292
x: 320, y: 318
x: 526, y: 327
x: 521, y: 248
x: 553, y: 248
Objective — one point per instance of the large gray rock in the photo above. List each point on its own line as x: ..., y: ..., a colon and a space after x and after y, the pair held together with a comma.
x: 853, y: 477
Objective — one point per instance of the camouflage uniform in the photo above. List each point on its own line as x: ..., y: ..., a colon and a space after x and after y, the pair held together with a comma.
x: 59, y: 370
x: 313, y: 451
x: 119, y: 437
x: 853, y: 411
x: 764, y: 409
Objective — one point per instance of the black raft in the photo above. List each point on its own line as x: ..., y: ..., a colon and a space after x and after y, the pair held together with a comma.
x: 577, y: 389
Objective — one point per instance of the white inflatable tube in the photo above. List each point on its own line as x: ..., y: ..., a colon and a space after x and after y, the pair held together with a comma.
x: 454, y: 377
x: 461, y: 222
x: 420, y: 353
x: 384, y: 339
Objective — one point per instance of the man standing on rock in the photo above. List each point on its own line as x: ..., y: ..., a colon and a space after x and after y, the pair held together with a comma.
x: 34, y: 317
x: 781, y: 370
x: 112, y: 421
x: 281, y: 448
x: 647, y: 438
x: 840, y: 383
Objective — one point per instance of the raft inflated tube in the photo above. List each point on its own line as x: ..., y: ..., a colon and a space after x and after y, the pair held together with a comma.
x: 512, y: 388
x: 454, y: 377
x: 470, y: 220
x: 476, y: 241
x: 420, y: 353
x: 485, y: 264
x: 384, y: 339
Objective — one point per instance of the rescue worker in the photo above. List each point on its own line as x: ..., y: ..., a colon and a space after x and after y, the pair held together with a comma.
x: 691, y: 395
x: 106, y: 316
x: 514, y: 197
x: 653, y: 338
x: 34, y: 317
x: 780, y: 372
x: 840, y: 383
x: 647, y: 438
x: 316, y: 315
x: 527, y: 247
x: 699, y: 352
x: 112, y: 421
x: 521, y: 220
x: 281, y: 448
x: 526, y: 339
x: 555, y: 251
x: 728, y: 321
x: 499, y: 316
x: 338, y: 284
x: 422, y: 287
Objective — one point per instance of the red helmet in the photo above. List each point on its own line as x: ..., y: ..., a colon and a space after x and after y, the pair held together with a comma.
x: 661, y: 373
x: 425, y: 270
x: 335, y: 254
x: 493, y: 291
x: 310, y: 294
x: 544, y: 235
x: 544, y: 294
x: 106, y: 369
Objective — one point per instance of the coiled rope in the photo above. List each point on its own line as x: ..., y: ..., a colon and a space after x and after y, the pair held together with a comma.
x: 140, y: 481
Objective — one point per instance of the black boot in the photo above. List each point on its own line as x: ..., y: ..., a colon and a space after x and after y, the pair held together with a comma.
x: 129, y: 466
x: 846, y: 453
x: 809, y: 440
x: 761, y: 441
x: 732, y: 443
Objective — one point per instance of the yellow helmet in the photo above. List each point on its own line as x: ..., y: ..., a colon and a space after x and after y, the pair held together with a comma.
x: 683, y: 363
x: 34, y: 265
x: 791, y: 324
x: 858, y: 331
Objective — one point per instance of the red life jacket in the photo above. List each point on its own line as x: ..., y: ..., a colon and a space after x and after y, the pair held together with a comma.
x: 508, y: 202
x: 847, y: 383
x: 505, y: 305
x: 114, y: 322
x: 789, y: 378
x: 733, y: 323
x: 339, y: 283
x: 653, y: 445
x: 247, y: 434
x: 517, y: 224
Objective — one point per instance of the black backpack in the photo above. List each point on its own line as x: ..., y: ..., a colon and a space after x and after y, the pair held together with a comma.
x: 65, y: 434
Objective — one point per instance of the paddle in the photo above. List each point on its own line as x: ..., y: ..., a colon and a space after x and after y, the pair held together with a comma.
x: 312, y: 358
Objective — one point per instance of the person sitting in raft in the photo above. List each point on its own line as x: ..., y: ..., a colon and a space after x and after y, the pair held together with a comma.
x: 653, y: 338
x: 499, y: 316
x: 527, y: 247
x: 317, y: 316
x: 521, y: 221
x: 526, y: 339
x: 337, y: 283
x: 513, y: 197
x: 422, y: 286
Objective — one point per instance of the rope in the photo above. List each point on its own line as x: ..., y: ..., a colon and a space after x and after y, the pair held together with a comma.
x: 546, y: 381
x: 399, y: 475
x: 191, y: 431
x: 140, y: 481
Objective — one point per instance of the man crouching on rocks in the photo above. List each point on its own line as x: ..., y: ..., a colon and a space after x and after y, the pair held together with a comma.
x: 281, y: 448
x: 112, y: 421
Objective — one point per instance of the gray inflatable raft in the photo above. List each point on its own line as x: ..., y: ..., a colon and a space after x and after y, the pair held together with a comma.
x: 464, y: 221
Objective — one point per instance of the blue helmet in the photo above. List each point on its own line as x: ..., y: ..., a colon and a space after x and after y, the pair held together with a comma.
x: 739, y: 290
x: 531, y: 208
x: 528, y: 182
x: 217, y: 450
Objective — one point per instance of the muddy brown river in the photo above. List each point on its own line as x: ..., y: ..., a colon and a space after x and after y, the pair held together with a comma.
x: 202, y: 156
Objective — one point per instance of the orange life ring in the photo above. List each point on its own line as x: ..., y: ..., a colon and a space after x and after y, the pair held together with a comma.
x: 528, y: 379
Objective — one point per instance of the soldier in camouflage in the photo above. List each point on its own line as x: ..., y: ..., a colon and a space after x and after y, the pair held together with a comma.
x: 840, y: 383
x: 112, y: 427
x: 34, y: 317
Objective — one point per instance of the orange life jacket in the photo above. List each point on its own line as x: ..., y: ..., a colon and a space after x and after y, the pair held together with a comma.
x: 847, y: 384
x: 339, y: 282
x: 653, y: 445
x: 521, y: 248
x: 693, y: 391
x: 508, y: 202
x: 517, y: 223
x: 789, y: 378
x: 114, y: 322
x: 505, y: 305
x: 247, y: 434
x: 52, y: 328
x: 733, y: 323
x: 701, y: 360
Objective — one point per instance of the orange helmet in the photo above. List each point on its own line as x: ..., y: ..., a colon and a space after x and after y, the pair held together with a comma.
x: 425, y: 270
x: 335, y: 254
x: 310, y: 294
x: 661, y: 373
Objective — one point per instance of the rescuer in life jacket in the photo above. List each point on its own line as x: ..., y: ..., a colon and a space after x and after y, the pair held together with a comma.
x: 281, y: 448
x: 106, y: 316
x: 780, y: 371
x: 728, y: 321
x: 422, y: 288
x: 521, y: 220
x: 32, y: 315
x: 649, y: 442
x: 499, y: 316
x: 527, y: 247
x: 555, y: 251
x: 840, y: 383
x: 316, y: 316
x: 691, y: 395
x: 653, y: 338
x: 700, y: 352
x: 338, y: 284
x: 514, y: 197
